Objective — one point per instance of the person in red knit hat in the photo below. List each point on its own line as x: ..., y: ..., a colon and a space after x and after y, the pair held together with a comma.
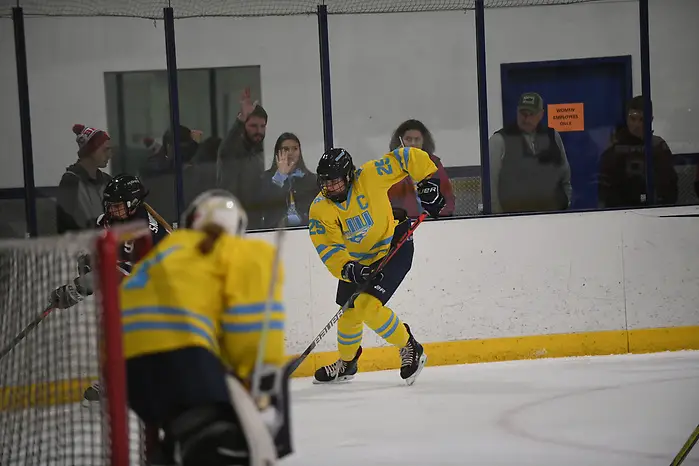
x: 413, y: 133
x: 81, y: 187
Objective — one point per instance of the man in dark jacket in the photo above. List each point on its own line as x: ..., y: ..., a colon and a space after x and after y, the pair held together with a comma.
x: 622, y: 177
x: 241, y: 158
x: 81, y: 187
x: 529, y: 170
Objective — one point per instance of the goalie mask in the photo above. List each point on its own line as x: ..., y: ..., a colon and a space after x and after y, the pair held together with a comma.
x: 218, y: 207
x: 335, y: 174
x: 122, y: 196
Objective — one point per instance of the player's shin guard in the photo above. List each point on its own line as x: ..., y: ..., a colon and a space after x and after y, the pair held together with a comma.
x: 382, y: 320
x: 349, y: 333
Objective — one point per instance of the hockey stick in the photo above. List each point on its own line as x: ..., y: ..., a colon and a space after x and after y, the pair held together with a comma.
x: 158, y: 217
x: 686, y: 448
x: 292, y: 367
x: 262, y: 344
x: 34, y: 323
x: 21, y: 335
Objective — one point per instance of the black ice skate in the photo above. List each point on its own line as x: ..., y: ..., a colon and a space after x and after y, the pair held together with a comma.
x: 340, y: 371
x: 412, y: 359
x: 92, y: 394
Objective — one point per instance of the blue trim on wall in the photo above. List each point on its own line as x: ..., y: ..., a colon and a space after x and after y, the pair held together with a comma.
x: 624, y: 60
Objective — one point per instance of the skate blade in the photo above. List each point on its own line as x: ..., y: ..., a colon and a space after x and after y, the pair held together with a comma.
x: 88, y: 404
x: 342, y: 379
x: 423, y: 360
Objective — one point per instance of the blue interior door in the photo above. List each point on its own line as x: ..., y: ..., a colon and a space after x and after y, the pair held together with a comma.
x: 603, y: 85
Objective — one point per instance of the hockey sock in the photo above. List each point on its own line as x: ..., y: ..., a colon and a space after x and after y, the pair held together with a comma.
x: 349, y: 333
x: 382, y: 320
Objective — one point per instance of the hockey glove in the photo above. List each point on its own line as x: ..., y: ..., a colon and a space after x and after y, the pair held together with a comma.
x: 357, y: 273
x: 69, y: 295
x: 82, y: 286
x: 431, y: 198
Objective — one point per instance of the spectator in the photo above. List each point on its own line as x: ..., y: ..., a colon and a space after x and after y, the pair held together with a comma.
x: 208, y: 150
x: 81, y: 186
x: 242, y: 159
x: 413, y: 133
x: 288, y: 186
x: 163, y: 158
x: 529, y: 170
x: 622, y: 179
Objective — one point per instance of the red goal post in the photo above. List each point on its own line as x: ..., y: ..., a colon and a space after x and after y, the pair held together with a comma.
x: 43, y: 417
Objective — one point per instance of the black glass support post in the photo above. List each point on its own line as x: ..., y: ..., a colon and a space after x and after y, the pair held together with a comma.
x: 644, y: 28
x: 483, y: 106
x: 171, y: 55
x: 324, y: 49
x: 25, y: 122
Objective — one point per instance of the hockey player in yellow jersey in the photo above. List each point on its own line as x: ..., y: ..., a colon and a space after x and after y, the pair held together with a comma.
x: 353, y: 226
x: 193, y: 312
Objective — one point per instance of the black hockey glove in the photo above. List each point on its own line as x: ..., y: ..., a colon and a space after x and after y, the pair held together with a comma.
x: 357, y: 273
x: 431, y: 198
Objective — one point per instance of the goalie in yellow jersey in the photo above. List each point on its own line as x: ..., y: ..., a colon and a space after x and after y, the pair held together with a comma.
x: 353, y: 226
x: 193, y: 313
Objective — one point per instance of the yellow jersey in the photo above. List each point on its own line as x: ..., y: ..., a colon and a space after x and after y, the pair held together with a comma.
x: 177, y: 297
x: 361, y: 228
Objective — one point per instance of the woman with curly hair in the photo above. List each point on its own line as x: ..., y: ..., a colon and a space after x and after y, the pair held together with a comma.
x: 413, y: 133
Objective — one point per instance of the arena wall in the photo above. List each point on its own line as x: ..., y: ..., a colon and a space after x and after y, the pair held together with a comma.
x: 385, y: 68
x: 522, y: 287
x: 480, y: 290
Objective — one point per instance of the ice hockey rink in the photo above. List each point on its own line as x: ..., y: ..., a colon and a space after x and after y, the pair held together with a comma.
x: 608, y: 410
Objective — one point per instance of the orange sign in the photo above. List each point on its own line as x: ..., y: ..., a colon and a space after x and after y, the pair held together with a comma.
x: 566, y: 117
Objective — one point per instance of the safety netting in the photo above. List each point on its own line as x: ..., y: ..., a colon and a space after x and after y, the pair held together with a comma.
x: 153, y: 9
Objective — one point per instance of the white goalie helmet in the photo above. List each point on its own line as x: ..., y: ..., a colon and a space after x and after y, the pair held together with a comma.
x: 218, y: 207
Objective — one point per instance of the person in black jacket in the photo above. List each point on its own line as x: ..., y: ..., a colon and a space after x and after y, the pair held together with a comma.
x: 288, y: 187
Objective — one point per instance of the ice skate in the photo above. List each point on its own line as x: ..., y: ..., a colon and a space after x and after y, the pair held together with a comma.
x: 92, y: 394
x: 412, y: 359
x: 340, y: 371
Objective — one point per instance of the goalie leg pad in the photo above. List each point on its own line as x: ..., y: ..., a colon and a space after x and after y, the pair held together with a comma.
x: 260, y: 443
x: 209, y: 435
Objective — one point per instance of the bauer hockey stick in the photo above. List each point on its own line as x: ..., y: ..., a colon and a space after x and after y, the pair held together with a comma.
x: 292, y: 367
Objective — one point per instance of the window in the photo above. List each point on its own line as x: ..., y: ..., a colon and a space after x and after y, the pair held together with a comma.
x: 138, y: 107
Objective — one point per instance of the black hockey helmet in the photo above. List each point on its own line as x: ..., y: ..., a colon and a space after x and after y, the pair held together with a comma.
x: 122, y: 196
x: 334, y: 168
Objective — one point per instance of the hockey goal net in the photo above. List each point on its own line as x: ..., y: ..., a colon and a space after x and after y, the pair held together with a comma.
x: 44, y: 419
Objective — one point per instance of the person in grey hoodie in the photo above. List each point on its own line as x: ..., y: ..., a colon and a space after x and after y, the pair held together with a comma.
x: 241, y: 159
x: 81, y: 187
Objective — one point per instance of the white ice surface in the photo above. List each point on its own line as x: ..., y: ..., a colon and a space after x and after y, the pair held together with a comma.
x: 614, y: 410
